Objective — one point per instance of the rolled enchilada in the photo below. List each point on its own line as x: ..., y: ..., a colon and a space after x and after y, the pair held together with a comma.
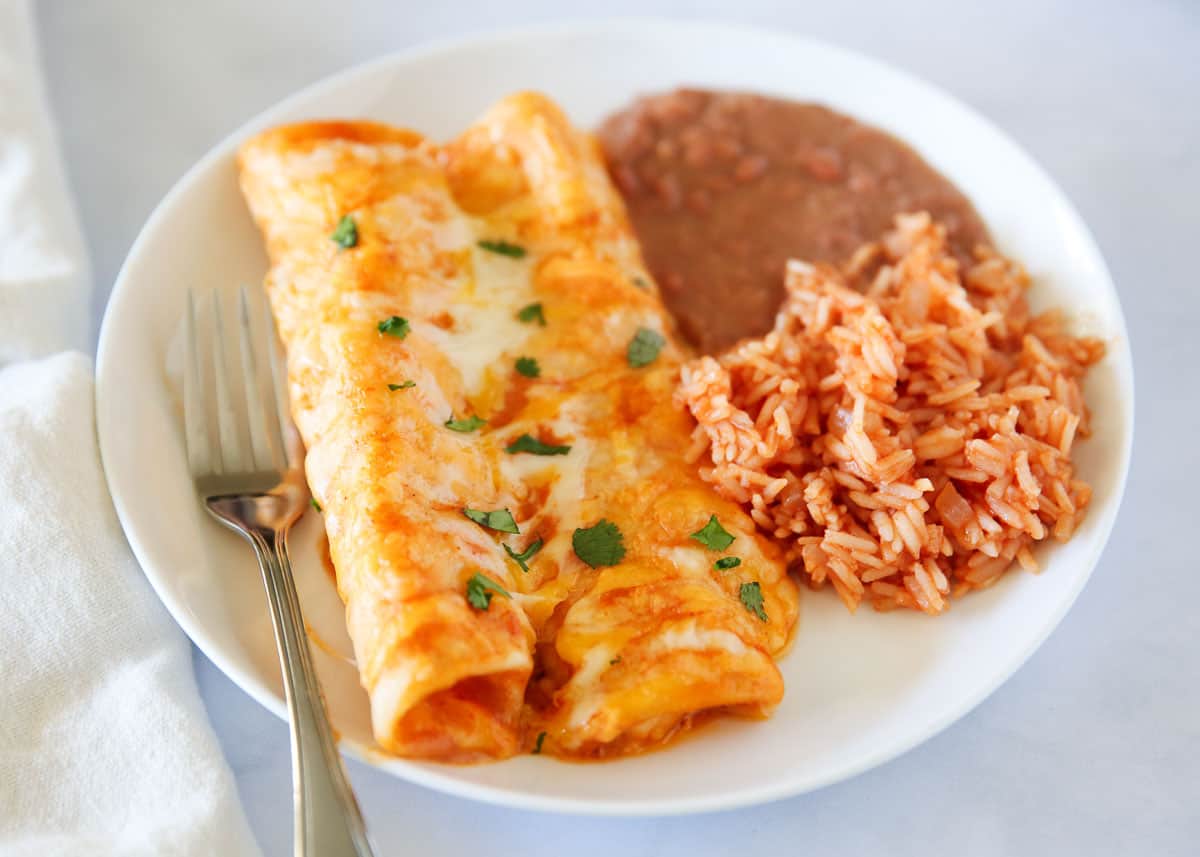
x: 482, y: 375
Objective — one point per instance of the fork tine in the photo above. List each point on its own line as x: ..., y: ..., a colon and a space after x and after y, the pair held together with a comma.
x: 195, y: 414
x: 277, y: 393
x: 283, y: 419
x: 261, y: 450
x: 209, y: 372
x: 231, y: 429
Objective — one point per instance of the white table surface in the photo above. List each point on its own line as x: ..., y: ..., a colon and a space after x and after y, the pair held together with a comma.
x: 1094, y: 746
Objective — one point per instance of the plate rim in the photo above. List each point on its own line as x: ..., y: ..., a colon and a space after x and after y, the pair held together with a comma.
x: 430, y: 776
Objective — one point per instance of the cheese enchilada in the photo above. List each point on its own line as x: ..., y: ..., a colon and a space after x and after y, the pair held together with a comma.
x: 482, y: 373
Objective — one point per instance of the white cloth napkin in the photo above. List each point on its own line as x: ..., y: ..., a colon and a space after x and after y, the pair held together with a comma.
x: 104, y: 745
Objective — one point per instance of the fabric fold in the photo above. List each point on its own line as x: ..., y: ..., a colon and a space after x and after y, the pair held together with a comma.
x: 105, y: 748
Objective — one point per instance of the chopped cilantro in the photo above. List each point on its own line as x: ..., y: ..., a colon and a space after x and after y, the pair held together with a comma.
x: 615, y: 661
x: 528, y: 366
x: 532, y: 312
x: 641, y: 283
x: 599, y: 544
x: 479, y: 591
x: 529, y: 443
x: 751, y: 595
x: 404, y: 386
x: 644, y: 347
x: 522, y: 559
x: 713, y: 536
x: 312, y: 501
x: 513, y: 251
x: 537, y: 745
x: 395, y: 326
x: 727, y: 562
x: 466, y: 424
x: 346, y: 233
x: 500, y: 520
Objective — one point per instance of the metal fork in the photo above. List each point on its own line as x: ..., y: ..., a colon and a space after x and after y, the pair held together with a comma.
x: 246, y: 466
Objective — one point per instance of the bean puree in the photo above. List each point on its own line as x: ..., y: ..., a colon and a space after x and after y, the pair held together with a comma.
x: 724, y: 188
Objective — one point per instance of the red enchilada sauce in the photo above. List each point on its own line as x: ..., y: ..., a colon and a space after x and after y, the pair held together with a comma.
x: 724, y: 188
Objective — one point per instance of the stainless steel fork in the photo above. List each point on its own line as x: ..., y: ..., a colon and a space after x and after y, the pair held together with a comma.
x: 246, y: 466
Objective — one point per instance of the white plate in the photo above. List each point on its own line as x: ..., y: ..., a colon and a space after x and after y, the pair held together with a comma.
x: 860, y: 689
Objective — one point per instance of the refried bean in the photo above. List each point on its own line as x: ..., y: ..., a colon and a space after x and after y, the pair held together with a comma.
x: 724, y: 188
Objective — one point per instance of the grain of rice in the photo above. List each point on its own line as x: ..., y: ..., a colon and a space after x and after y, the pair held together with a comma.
x: 870, y: 560
x: 877, y: 573
x: 945, y: 397
x: 1025, y: 477
x: 848, y: 540
x: 908, y: 533
x: 1027, y: 392
x: 937, y: 443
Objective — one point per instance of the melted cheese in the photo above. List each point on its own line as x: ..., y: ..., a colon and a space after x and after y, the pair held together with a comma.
x: 691, y: 637
x: 484, y: 309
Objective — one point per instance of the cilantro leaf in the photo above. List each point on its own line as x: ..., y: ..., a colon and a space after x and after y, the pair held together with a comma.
x: 641, y: 283
x: 312, y: 501
x: 727, y: 562
x: 599, y: 544
x: 752, y: 599
x: 404, y: 386
x: 396, y: 326
x: 537, y: 745
x: 346, y: 233
x: 522, y: 559
x: 644, y: 347
x: 529, y: 443
x: 500, y: 520
x: 615, y: 661
x: 713, y: 536
x: 532, y: 312
x: 513, y: 251
x: 466, y: 424
x: 528, y: 367
x: 480, y: 589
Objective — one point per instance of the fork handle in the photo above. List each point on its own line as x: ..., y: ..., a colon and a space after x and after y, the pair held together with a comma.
x: 328, y: 820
